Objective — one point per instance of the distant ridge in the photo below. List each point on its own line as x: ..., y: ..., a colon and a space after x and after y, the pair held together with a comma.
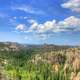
x: 14, y: 46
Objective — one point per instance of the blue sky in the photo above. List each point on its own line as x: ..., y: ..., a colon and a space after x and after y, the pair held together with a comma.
x: 40, y: 21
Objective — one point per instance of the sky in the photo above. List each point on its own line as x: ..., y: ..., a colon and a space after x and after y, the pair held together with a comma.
x: 40, y: 21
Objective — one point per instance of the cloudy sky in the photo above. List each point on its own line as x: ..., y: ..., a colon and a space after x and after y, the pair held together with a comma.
x: 40, y: 21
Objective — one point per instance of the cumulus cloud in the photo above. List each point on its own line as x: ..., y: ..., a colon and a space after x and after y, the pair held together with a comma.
x: 69, y: 24
x: 47, y: 26
x: 40, y: 28
x: 44, y: 30
x: 20, y: 27
x: 74, y: 5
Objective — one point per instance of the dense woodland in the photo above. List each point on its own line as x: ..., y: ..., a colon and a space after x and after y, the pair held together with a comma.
x: 39, y: 62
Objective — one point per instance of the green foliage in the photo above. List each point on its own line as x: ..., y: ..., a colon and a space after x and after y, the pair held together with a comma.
x: 33, y: 64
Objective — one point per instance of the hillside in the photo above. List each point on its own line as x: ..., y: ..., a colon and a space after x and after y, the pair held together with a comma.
x: 43, y: 48
x: 39, y: 62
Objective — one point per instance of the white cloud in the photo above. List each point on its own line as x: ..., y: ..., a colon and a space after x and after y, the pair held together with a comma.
x: 44, y: 30
x: 33, y: 25
x: 69, y: 24
x: 20, y: 27
x: 48, y: 25
x: 74, y: 5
